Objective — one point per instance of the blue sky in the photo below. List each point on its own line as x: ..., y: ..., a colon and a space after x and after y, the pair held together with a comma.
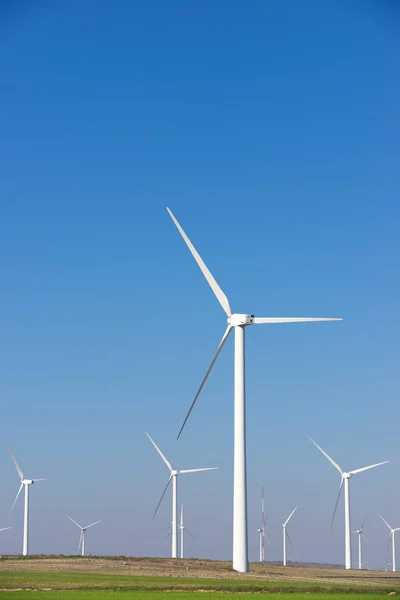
x: 272, y: 131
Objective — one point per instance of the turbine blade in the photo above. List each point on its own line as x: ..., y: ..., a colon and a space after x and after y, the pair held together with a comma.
x: 4, y: 528
x: 77, y: 524
x: 36, y: 480
x: 91, y: 524
x: 363, y: 523
x: 337, y: 501
x: 259, y: 320
x: 222, y: 299
x: 365, y: 539
x: 16, y: 498
x: 288, y: 537
x: 222, y: 342
x: 326, y: 455
x: 290, y: 516
x: 160, y: 453
x: 385, y: 521
x: 162, y: 496
x: 168, y: 535
x: 369, y: 467
x: 197, y: 470
x: 20, y: 473
x: 188, y: 532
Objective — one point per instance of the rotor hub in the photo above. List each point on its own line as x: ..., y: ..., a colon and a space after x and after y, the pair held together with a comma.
x: 241, y: 320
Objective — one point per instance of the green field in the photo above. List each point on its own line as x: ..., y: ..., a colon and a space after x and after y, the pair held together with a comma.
x: 164, y: 595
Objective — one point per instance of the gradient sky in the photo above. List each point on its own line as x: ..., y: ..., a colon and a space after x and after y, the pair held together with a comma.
x: 272, y: 131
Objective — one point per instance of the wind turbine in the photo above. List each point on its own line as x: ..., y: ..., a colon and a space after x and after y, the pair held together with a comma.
x: 174, y: 477
x: 387, y: 564
x: 345, y: 477
x: 183, y: 530
x: 238, y: 322
x: 81, y: 545
x: 360, y: 533
x: 286, y: 535
x: 261, y: 531
x: 24, y: 483
x: 392, y: 533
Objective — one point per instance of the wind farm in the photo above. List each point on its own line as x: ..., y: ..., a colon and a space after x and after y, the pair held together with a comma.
x: 200, y: 343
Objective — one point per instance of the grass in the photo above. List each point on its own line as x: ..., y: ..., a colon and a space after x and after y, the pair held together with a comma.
x: 158, y: 595
x: 150, y: 587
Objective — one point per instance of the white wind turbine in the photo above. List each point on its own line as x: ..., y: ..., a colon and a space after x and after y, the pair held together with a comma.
x: 360, y: 533
x: 24, y: 483
x: 261, y: 531
x: 387, y: 564
x: 286, y: 535
x: 392, y: 534
x: 174, y: 477
x: 238, y: 322
x: 345, y: 477
x: 183, y: 530
x: 81, y: 545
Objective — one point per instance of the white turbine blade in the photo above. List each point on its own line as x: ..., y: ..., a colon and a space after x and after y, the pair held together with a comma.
x: 159, y: 452
x: 188, y: 532
x: 197, y: 470
x: 337, y: 501
x: 36, y: 480
x: 222, y: 299
x: 77, y: 524
x: 20, y: 473
x: 16, y: 498
x: 290, y: 516
x: 288, y: 537
x: 385, y: 521
x: 361, y: 528
x: 270, y: 320
x: 326, y: 455
x: 91, y: 524
x: 162, y: 496
x: 222, y: 342
x: 365, y: 539
x: 369, y: 467
x: 4, y: 528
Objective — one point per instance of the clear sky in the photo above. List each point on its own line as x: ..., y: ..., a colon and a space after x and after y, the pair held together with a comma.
x: 272, y: 131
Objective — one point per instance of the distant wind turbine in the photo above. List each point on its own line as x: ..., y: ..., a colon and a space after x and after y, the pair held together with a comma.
x: 387, y: 564
x: 261, y: 531
x: 174, y: 477
x: 183, y: 530
x: 24, y: 483
x: 360, y: 533
x: 286, y: 535
x: 81, y: 545
x: 391, y: 535
x: 345, y: 477
x: 238, y: 322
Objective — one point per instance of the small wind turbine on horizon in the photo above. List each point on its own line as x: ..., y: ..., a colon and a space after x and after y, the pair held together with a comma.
x: 345, y: 479
x: 238, y: 322
x: 360, y: 533
x: 81, y: 545
x: 286, y: 535
x: 261, y: 530
x: 392, y: 535
x: 183, y: 530
x: 387, y: 564
x: 24, y: 483
x: 174, y: 477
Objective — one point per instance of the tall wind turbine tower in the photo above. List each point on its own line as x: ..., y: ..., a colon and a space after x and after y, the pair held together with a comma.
x: 238, y: 322
x: 25, y: 483
x: 261, y: 531
x: 81, y: 545
x: 392, y: 534
x: 361, y: 536
x: 183, y: 530
x: 286, y: 535
x: 345, y: 482
x: 174, y: 477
